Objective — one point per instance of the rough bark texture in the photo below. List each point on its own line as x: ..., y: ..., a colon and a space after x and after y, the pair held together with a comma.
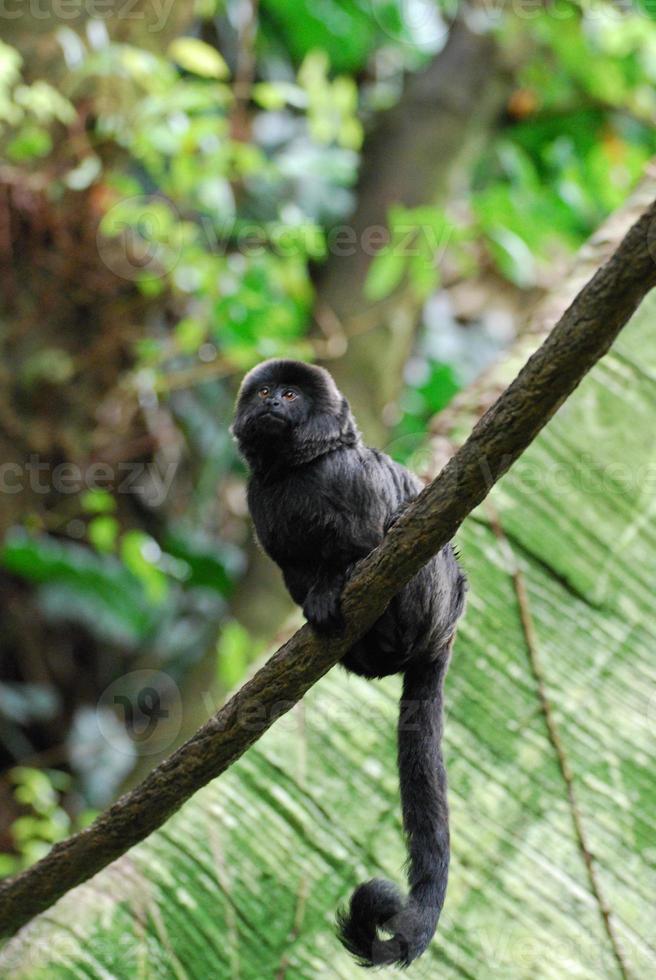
x: 582, y: 336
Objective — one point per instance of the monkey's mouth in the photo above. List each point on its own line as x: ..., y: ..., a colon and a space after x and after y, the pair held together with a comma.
x: 269, y: 418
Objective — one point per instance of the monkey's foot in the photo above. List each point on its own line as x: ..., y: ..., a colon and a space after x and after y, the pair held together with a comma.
x: 322, y: 609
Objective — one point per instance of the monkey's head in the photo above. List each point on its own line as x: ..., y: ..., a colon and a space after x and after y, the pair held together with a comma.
x: 290, y: 412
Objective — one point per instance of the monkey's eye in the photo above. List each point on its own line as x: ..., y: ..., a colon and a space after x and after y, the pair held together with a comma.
x: 263, y: 392
x: 289, y: 395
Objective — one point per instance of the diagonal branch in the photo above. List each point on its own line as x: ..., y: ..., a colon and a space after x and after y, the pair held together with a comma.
x: 580, y: 338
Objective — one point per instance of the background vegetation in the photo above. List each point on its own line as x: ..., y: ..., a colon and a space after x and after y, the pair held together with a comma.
x: 390, y: 188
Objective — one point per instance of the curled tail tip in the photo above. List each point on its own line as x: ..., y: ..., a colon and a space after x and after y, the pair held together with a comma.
x: 378, y: 905
x: 372, y: 906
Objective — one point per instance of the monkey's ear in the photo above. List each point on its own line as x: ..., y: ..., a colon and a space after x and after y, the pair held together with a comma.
x: 236, y: 429
x: 348, y: 428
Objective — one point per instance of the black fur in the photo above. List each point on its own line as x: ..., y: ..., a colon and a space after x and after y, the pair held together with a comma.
x: 320, y: 501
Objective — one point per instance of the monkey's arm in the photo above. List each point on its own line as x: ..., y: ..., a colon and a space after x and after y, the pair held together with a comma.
x: 350, y: 536
x: 362, y: 503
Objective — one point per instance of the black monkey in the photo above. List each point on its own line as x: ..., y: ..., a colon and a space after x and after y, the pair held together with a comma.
x: 320, y: 501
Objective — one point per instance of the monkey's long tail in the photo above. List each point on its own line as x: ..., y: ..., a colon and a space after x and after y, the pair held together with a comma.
x: 378, y: 904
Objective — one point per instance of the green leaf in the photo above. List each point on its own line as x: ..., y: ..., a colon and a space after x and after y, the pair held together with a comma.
x: 346, y: 31
x: 10, y: 64
x: 102, y: 532
x: 140, y: 553
x: 513, y: 257
x: 30, y: 142
x: 384, y: 274
x: 423, y: 274
x: 211, y: 566
x: 233, y: 653
x: 276, y: 95
x: 198, y: 57
x: 98, y: 501
x: 190, y: 334
x: 9, y: 865
x: 78, y: 582
x: 42, y: 101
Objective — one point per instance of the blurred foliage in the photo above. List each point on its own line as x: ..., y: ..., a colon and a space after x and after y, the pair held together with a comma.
x: 27, y: 112
x: 213, y: 166
x: 584, y: 109
x: 579, y: 133
x: 44, y: 821
x: 350, y: 32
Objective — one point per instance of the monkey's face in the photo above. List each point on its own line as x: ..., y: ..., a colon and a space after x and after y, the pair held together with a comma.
x: 289, y: 411
x: 275, y: 402
x: 276, y: 407
x: 270, y: 410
